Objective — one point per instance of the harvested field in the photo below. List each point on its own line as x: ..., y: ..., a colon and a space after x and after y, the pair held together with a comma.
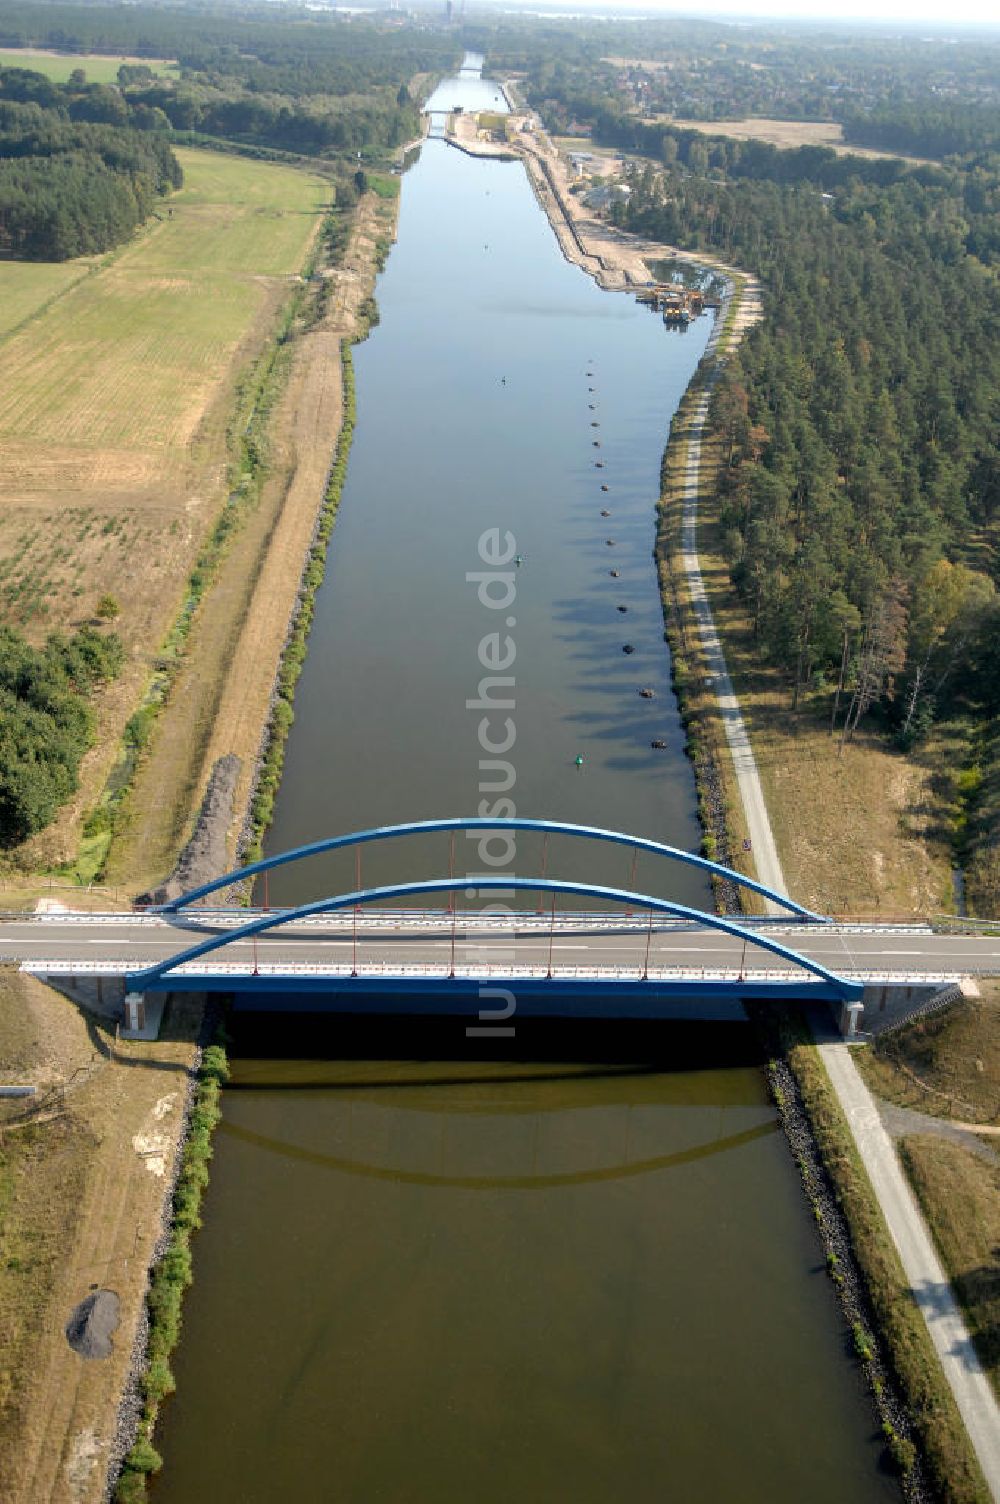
x: 784, y: 133
x: 81, y: 1192
x: 99, y: 67
x: 220, y: 702
x: 116, y: 401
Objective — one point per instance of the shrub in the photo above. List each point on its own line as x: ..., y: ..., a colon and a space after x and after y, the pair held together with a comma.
x: 144, y: 1458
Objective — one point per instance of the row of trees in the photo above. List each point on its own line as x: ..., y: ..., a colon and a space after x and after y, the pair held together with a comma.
x: 46, y: 724
x: 69, y: 187
x: 860, y: 423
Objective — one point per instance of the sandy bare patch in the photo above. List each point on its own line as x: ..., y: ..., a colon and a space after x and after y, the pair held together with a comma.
x: 784, y: 133
x: 154, y: 1145
x: 85, y: 1453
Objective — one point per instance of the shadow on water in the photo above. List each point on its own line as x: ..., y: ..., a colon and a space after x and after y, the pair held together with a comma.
x: 580, y: 1047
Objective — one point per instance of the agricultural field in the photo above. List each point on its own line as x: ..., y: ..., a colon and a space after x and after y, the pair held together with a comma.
x: 27, y: 286
x: 59, y: 65
x: 117, y: 396
x: 783, y: 133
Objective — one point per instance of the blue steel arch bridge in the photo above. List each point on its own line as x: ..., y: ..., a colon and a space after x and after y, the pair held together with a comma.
x: 407, y: 946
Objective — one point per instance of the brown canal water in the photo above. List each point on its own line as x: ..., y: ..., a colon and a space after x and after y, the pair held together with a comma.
x: 577, y: 1266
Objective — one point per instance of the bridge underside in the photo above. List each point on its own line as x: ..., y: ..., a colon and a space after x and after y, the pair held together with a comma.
x: 611, y: 997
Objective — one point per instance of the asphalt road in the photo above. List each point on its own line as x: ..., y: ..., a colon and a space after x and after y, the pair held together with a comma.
x: 133, y: 941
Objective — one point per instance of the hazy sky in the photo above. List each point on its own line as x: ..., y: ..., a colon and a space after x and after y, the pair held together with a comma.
x: 934, y: 13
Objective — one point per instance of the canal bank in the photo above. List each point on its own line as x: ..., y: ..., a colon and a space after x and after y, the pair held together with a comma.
x: 947, y: 1398
x: 497, y: 1275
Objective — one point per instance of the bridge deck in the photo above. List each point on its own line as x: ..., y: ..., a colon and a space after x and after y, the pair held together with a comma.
x: 595, y: 949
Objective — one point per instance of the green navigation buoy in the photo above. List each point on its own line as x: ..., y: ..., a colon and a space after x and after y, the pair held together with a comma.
x: 578, y: 760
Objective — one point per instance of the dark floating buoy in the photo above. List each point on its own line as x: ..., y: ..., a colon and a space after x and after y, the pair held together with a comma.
x: 615, y: 573
x: 610, y: 542
x: 622, y: 609
x: 648, y: 694
x: 590, y: 389
x: 598, y: 464
x: 658, y: 743
x: 594, y: 423
x: 605, y: 486
x: 592, y: 407
x: 628, y: 648
x: 605, y: 512
x: 597, y: 443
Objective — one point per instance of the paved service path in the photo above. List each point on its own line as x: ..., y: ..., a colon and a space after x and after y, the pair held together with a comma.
x: 931, y: 1290
x: 907, y: 1228
x: 761, y: 837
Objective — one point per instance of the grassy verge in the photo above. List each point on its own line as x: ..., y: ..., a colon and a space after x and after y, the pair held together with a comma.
x: 172, y: 1274
x: 294, y: 655
x: 947, y: 1065
x: 943, y: 1440
x: 959, y: 1194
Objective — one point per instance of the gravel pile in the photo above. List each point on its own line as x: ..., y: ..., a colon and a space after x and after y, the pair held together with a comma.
x: 93, y: 1323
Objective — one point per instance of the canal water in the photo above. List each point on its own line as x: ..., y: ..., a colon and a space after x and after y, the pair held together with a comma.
x: 576, y: 1266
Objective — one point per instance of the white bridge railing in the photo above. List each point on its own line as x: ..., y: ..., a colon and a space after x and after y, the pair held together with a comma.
x: 476, y: 971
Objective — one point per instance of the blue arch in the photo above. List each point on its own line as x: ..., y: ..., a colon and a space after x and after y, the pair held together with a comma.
x: 423, y: 827
x: 152, y: 977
